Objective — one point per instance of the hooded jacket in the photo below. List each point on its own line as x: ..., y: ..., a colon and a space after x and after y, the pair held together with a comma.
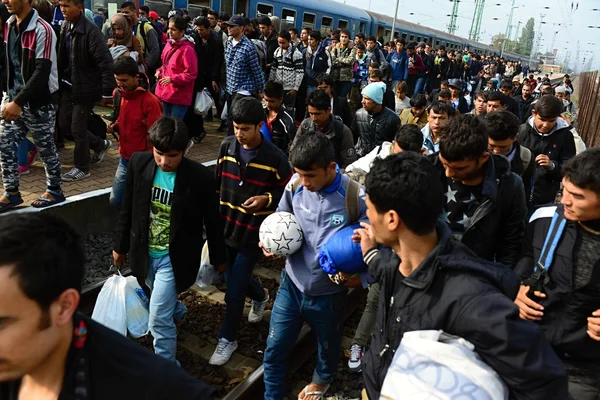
x: 495, y: 231
x: 373, y: 129
x: 399, y: 65
x: 462, y: 295
x: 317, y: 63
x: 180, y: 63
x: 558, y: 145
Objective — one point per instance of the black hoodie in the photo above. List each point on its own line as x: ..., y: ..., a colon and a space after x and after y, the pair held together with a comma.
x: 456, y: 292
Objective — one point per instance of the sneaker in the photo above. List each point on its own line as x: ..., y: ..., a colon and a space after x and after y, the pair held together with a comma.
x: 223, y: 352
x: 99, y: 156
x: 258, y: 310
x: 197, y: 139
x: 75, y: 174
x: 222, y: 127
x: 356, y: 354
x: 23, y: 170
x: 31, y: 155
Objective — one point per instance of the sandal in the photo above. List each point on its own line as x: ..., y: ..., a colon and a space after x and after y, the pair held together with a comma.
x: 319, y: 393
x: 15, y: 200
x: 43, y: 202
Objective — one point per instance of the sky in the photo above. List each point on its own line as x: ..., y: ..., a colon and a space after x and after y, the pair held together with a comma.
x: 574, y: 25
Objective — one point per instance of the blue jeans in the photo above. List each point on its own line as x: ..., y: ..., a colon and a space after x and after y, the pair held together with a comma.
x: 118, y: 185
x: 420, y: 85
x: 164, y: 307
x: 174, y: 110
x: 240, y: 284
x: 322, y: 313
x: 22, y: 152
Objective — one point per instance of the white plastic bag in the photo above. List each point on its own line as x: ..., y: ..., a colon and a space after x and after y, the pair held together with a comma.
x: 207, y: 274
x: 110, y: 308
x: 203, y: 103
x: 225, y: 113
x: 137, y: 309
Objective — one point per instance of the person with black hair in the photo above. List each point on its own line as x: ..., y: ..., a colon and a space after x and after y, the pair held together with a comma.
x: 51, y: 350
x: 251, y: 175
x: 213, y: 18
x: 551, y: 143
x: 503, y: 128
x: 398, y: 61
x: 438, y: 114
x: 443, y: 85
x: 445, y: 96
x: 389, y: 99
x: 416, y: 113
x: 306, y: 292
x: 496, y: 101
x: 480, y: 100
x: 437, y: 283
x: 561, y: 294
x: 524, y: 100
x: 360, y: 79
x: 375, y: 54
x: 287, y: 67
x: 138, y: 110
x: 294, y: 36
x: 441, y: 67
x: 343, y: 55
x: 415, y: 67
x: 317, y: 60
x: 149, y: 38
x: 279, y: 121
x: 339, y: 105
x: 511, y: 104
x: 167, y: 198
x: 320, y: 119
x: 269, y: 36
x: 485, y: 202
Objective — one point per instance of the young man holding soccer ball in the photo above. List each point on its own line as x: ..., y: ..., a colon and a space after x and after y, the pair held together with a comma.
x: 306, y: 293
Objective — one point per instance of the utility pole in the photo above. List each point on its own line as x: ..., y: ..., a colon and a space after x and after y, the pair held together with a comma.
x: 553, y: 41
x: 476, y: 23
x: 452, y: 27
x: 394, y: 21
x: 534, y: 48
x: 508, y: 28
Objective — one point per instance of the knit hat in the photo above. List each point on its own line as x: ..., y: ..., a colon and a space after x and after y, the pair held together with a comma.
x: 560, y: 89
x: 375, y: 91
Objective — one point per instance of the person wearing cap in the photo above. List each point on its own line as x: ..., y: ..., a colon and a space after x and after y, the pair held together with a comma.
x: 517, y: 88
x: 457, y: 100
x: 374, y: 123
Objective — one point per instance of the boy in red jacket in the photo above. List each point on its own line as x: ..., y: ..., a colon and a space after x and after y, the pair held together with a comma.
x: 136, y: 110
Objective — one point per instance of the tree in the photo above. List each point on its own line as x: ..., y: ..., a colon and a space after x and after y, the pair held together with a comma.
x: 525, y: 42
x: 498, y: 39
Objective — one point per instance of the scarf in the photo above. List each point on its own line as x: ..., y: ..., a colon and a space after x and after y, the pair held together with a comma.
x: 123, y: 22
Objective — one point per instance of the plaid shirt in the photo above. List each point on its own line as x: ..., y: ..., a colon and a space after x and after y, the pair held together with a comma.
x: 243, y: 69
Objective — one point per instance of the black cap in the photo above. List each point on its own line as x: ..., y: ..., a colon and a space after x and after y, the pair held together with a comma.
x: 236, y: 20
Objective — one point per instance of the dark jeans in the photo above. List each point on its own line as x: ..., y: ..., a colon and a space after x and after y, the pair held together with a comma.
x: 292, y: 307
x: 73, y: 120
x: 240, y: 284
x: 231, y: 99
x: 342, y: 89
x: 365, y: 327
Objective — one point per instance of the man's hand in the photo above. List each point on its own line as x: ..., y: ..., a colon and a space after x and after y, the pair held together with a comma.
x: 119, y: 259
x: 215, y: 86
x: 266, y: 253
x: 544, y: 161
x: 365, y: 236
x: 11, y: 111
x: 164, y: 81
x: 256, y: 203
x: 594, y: 325
x: 110, y: 128
x: 529, y: 309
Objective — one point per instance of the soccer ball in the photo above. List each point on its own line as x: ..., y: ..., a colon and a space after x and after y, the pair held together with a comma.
x: 281, y: 234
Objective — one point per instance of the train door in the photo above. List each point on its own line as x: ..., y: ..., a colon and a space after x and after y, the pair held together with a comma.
x: 242, y: 7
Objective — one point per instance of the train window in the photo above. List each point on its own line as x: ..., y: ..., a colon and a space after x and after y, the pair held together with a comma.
x: 264, y: 9
x: 362, y: 27
x: 425, y: 40
x: 288, y: 19
x: 404, y: 35
x: 342, y: 24
x: 326, y: 25
x: 412, y: 38
x: 200, y: 3
x: 437, y: 42
x: 418, y: 38
x: 387, y: 35
x: 308, y: 20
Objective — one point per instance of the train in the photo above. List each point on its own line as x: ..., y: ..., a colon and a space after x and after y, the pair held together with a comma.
x: 325, y: 16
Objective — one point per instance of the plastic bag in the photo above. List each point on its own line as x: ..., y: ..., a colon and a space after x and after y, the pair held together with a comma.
x: 136, y: 303
x: 207, y: 274
x: 110, y: 308
x: 203, y: 103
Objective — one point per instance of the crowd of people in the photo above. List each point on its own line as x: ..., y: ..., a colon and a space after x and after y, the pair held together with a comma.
x: 478, y: 204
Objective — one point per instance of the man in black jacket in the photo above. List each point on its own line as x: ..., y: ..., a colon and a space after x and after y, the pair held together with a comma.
x: 167, y: 200
x: 524, y: 100
x: 564, y: 296
x: 339, y: 105
x: 551, y: 143
x: 48, y: 349
x: 484, y: 202
x: 430, y: 282
x: 269, y: 36
x: 85, y: 75
x: 511, y: 104
x: 279, y: 122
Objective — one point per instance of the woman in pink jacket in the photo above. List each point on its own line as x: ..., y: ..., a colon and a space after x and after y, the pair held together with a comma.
x: 176, y: 77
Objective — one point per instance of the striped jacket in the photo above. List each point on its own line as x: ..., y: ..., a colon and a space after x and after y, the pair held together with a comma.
x: 38, y: 62
x: 267, y: 173
x: 288, y: 68
x: 243, y: 68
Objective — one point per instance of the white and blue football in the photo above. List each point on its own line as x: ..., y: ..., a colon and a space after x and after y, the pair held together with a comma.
x: 281, y: 234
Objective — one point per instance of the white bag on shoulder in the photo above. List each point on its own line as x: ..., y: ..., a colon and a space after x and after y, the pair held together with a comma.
x: 110, y: 308
x: 203, y: 103
x: 137, y: 312
x: 435, y: 365
x: 207, y: 273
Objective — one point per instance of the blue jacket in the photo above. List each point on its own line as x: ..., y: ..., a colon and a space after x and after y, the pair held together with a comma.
x: 317, y: 63
x: 399, y: 66
x: 320, y: 214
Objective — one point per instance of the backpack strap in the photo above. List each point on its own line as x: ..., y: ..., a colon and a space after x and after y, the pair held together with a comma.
x: 352, y: 201
x: 525, y: 155
x: 117, y: 102
x: 557, y: 227
x: 143, y: 34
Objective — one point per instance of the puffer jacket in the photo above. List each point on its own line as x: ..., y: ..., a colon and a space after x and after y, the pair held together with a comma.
x: 559, y: 146
x: 456, y: 292
x: 343, y: 60
x: 372, y: 130
x: 89, y: 64
x: 495, y: 232
x: 180, y: 63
